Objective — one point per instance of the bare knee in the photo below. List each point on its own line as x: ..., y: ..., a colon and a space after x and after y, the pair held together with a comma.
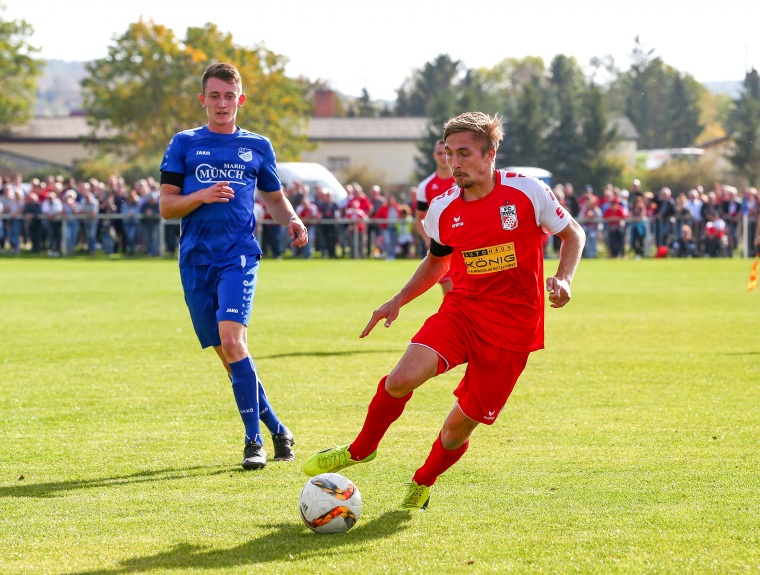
x: 457, y: 429
x: 233, y: 348
x: 454, y: 438
x: 400, y: 382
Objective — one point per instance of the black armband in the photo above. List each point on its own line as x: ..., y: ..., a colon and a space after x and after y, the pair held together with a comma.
x: 173, y: 178
x: 439, y: 250
x: 422, y: 206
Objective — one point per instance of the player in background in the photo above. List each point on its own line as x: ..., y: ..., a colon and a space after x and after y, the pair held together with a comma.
x: 489, y: 229
x: 209, y: 176
x: 434, y: 185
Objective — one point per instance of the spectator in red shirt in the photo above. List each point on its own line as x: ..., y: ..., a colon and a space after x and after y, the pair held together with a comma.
x: 614, y: 215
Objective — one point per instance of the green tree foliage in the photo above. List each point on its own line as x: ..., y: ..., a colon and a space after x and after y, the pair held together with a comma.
x: 597, y: 168
x: 682, y: 175
x: 684, y: 111
x: 564, y: 147
x: 146, y: 89
x: 418, y: 95
x: 524, y: 143
x: 662, y: 103
x: 745, y: 126
x: 430, y: 92
x: 18, y: 71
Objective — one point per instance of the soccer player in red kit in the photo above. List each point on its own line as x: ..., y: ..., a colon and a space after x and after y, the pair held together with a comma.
x: 428, y: 189
x: 488, y: 231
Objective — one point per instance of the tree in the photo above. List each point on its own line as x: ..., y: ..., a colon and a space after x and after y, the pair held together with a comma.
x: 18, y: 71
x: 430, y: 92
x: 564, y: 147
x: 684, y: 111
x: 663, y: 104
x: 145, y: 90
x: 745, y: 127
x: 524, y: 143
x: 417, y: 95
x: 598, y: 140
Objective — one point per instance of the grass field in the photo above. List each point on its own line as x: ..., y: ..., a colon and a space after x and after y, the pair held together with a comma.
x: 630, y: 445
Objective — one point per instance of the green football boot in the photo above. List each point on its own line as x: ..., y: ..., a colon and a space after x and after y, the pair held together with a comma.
x: 417, y: 496
x: 331, y: 460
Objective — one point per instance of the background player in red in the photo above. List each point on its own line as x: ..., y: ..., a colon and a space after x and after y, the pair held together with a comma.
x: 488, y: 229
x: 434, y: 185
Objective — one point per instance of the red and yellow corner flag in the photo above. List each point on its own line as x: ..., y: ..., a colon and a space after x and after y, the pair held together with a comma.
x: 753, y: 273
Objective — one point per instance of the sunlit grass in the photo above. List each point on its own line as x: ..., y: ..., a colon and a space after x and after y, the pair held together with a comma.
x: 630, y: 444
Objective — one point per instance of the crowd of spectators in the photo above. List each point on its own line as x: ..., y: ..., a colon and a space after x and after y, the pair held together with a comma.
x: 620, y: 222
x: 377, y: 224
x: 60, y: 215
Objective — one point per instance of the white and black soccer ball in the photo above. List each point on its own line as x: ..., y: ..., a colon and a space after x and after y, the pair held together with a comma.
x: 330, y: 503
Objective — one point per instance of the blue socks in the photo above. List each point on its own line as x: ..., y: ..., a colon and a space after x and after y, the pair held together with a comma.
x: 266, y: 413
x: 245, y: 388
x: 251, y: 399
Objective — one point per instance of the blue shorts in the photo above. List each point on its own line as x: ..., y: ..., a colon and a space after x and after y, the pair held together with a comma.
x: 218, y: 292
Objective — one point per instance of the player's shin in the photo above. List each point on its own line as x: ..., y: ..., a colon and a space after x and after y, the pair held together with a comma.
x: 245, y: 389
x: 383, y: 410
x: 439, y: 460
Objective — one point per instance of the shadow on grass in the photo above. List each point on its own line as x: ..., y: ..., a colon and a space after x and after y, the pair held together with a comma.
x: 327, y: 353
x: 55, y: 488
x: 285, y: 542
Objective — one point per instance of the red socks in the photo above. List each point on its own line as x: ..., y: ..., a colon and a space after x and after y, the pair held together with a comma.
x: 438, y: 461
x: 383, y: 410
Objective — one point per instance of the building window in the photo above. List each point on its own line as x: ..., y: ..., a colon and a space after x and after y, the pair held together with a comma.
x: 338, y: 163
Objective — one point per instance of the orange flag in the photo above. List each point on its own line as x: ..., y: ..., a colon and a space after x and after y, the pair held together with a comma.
x: 753, y: 274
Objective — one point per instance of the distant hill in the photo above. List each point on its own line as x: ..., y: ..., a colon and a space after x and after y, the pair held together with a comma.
x: 59, y: 92
x: 731, y: 89
x: 58, y: 89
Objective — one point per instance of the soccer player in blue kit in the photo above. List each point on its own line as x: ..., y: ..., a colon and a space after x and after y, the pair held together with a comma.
x: 209, y: 176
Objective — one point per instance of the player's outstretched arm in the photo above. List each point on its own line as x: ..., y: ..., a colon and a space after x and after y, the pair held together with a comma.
x: 430, y: 270
x: 173, y: 204
x: 558, y: 286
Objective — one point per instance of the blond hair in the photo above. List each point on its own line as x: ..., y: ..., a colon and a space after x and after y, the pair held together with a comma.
x: 482, y: 126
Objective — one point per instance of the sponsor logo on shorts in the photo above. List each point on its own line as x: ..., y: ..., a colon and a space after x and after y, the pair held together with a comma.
x: 232, y: 310
x: 491, y: 259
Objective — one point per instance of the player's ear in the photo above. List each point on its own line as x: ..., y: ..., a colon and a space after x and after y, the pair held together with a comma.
x: 202, y: 100
x: 241, y: 99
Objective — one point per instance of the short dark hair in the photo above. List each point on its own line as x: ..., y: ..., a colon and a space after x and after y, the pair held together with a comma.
x: 225, y: 72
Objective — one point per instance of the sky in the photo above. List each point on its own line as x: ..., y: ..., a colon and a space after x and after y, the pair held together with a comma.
x: 377, y: 45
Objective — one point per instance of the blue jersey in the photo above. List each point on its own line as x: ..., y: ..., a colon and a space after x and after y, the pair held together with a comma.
x: 218, y: 231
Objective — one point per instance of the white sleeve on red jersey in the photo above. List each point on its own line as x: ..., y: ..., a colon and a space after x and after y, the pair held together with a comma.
x: 550, y: 214
x: 422, y: 189
x: 432, y: 220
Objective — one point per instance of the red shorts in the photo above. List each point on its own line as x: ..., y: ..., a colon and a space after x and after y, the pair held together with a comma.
x: 491, y: 371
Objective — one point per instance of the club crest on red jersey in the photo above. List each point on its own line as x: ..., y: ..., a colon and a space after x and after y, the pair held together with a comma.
x: 508, y: 216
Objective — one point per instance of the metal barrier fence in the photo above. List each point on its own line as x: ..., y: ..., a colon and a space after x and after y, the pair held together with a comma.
x: 155, y: 236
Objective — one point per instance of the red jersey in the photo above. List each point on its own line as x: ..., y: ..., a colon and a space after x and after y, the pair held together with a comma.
x: 497, y: 259
x: 431, y: 187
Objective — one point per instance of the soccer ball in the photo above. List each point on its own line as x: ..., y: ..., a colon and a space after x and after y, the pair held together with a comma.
x: 330, y: 503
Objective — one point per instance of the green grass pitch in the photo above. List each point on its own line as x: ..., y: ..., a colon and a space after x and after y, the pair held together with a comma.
x: 630, y: 444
